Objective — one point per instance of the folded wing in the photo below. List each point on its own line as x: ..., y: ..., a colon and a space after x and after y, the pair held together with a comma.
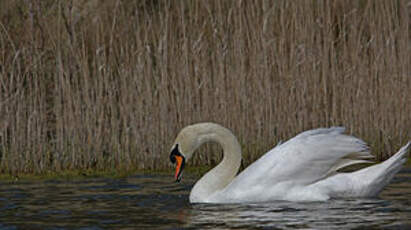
x: 305, y: 159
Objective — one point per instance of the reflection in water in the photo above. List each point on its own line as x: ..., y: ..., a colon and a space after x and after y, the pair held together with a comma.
x: 335, y: 214
x: 149, y: 202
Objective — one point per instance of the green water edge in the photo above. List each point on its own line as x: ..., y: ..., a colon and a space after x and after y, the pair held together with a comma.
x: 193, y: 171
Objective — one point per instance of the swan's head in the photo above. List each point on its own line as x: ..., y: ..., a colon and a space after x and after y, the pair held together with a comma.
x: 187, y: 141
x: 176, y: 157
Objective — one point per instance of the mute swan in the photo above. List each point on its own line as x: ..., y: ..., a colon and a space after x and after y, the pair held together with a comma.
x: 302, y: 169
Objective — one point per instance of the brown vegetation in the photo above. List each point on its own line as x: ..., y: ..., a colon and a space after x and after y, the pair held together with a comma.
x: 108, y: 84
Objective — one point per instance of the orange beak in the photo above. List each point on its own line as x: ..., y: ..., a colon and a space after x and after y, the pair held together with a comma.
x: 177, y: 158
x: 179, y: 168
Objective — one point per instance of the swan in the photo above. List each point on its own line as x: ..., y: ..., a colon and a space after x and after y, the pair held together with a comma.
x: 305, y: 168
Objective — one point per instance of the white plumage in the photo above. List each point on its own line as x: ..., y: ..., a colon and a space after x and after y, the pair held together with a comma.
x: 302, y: 169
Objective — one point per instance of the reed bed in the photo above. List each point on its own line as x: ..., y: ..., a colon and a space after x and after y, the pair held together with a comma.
x: 108, y: 84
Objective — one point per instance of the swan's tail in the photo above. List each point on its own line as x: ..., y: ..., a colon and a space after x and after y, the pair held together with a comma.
x: 374, y: 178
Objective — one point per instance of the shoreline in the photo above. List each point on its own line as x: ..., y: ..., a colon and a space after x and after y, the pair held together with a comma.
x: 192, y: 171
x: 84, y: 174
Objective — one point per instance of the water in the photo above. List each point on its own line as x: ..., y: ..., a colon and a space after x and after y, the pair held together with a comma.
x: 155, y: 202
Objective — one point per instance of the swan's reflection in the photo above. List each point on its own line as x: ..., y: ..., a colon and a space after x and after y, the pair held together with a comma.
x: 333, y: 214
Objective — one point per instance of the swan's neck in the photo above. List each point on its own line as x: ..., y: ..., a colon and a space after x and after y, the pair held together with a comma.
x: 220, y: 176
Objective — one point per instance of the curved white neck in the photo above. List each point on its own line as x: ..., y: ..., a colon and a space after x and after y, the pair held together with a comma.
x: 220, y: 176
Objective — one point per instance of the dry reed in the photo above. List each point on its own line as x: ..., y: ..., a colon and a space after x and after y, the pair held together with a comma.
x: 108, y: 84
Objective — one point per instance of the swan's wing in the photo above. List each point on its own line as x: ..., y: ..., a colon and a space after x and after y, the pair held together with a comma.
x: 309, y: 157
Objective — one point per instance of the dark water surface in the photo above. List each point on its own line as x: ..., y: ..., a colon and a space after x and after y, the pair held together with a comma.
x: 155, y: 202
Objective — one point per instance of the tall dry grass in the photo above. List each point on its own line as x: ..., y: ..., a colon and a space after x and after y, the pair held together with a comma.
x: 108, y: 84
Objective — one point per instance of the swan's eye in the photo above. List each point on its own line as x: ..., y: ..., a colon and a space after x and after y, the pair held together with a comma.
x: 173, y: 159
x: 174, y: 153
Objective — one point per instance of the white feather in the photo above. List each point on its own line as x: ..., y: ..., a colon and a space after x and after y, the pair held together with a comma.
x: 305, y: 168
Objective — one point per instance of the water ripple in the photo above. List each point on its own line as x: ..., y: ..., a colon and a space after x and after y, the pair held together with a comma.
x: 150, y: 201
